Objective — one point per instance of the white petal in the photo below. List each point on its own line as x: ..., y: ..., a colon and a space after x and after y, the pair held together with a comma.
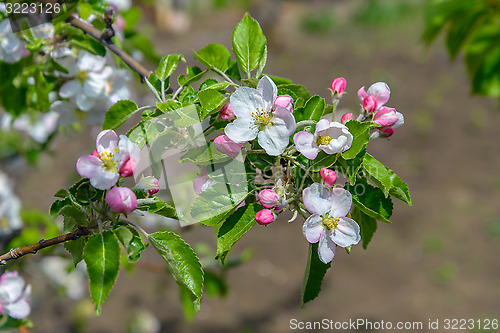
x: 106, y: 141
x: 268, y: 91
x: 246, y: 100
x: 323, y: 124
x: 70, y: 88
x: 241, y: 130
x: 19, y: 309
x: 104, y: 180
x: 401, y: 120
x: 93, y: 87
x: 272, y: 140
x: 347, y: 233
x: 326, y: 248
x: 285, y: 120
x: 84, y: 102
x: 13, y: 285
x: 90, y: 62
x: 127, y: 149
x: 340, y: 201
x: 317, y: 199
x: 312, y: 228
x: 381, y: 92
x: 87, y: 166
x: 304, y: 142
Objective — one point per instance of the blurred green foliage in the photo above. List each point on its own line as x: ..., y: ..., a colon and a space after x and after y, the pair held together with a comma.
x: 384, y: 12
x: 471, y: 27
x: 318, y: 22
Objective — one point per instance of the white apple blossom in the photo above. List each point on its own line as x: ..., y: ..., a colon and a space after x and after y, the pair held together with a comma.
x: 257, y: 115
x: 331, y: 137
x: 109, y: 160
x: 10, y: 207
x: 14, y: 295
x: 12, y: 49
x: 89, y: 79
x: 45, y: 30
x: 71, y: 281
x: 379, y: 90
x: 116, y: 88
x: 328, y: 224
x: 38, y: 126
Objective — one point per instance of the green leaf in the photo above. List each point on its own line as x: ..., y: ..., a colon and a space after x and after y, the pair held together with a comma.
x: 168, y: 65
x: 323, y: 160
x: 73, y: 217
x: 361, y: 135
x: 161, y: 208
x: 249, y: 43
x: 204, y: 155
x: 235, y: 226
x: 371, y: 201
x: 131, y: 241
x: 314, y: 274
x: 262, y: 63
x: 386, y: 179
x: 90, y: 45
x: 75, y: 248
x: 118, y: 113
x: 57, y: 205
x: 213, y: 205
x: 214, y: 84
x: 367, y: 225
x: 102, y: 256
x: 214, y: 56
x: 354, y: 165
x: 312, y: 110
x: 297, y: 89
x: 193, y: 74
x: 211, y: 101
x: 182, y: 262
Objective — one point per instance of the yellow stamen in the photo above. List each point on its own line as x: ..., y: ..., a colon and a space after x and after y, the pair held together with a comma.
x: 330, y: 222
x: 108, y: 158
x: 263, y: 119
x: 81, y: 76
x: 323, y: 140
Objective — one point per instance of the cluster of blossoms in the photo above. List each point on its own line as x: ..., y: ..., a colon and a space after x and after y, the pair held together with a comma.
x: 12, y: 49
x: 263, y: 115
x: 14, y: 296
x: 112, y: 159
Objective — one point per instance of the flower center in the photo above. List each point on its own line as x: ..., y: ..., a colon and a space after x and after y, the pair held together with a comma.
x: 81, y: 76
x: 323, y: 140
x: 263, y: 119
x: 331, y: 223
x: 108, y: 158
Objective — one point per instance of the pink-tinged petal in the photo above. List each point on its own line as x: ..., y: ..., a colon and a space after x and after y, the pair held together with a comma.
x: 226, y: 146
x: 326, y: 248
x: 340, y: 202
x: 386, y: 117
x: 386, y: 132
x: 104, y: 180
x: 88, y: 166
x: 12, y: 286
x: 400, y: 122
x: 106, y: 141
x: 317, y: 199
x: 268, y: 91
x: 201, y: 183
x: 304, y: 142
x: 265, y: 216
x: 241, y: 130
x: 95, y: 153
x: 268, y: 198
x: 285, y: 101
x: 329, y: 177
x: 284, y: 121
x: 370, y: 104
x: 380, y: 91
x: 322, y: 125
x: 128, y: 168
x: 346, y: 117
x: 362, y: 94
x: 346, y: 233
x: 312, y: 228
x: 246, y: 100
x: 127, y: 149
x: 70, y: 88
x: 226, y: 112
x: 338, y: 85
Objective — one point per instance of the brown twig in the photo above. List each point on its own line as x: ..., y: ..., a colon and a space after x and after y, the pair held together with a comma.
x: 104, y: 39
x: 33, y: 248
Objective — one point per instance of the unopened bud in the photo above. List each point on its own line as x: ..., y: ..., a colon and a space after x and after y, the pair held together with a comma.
x: 346, y: 117
x: 264, y: 217
x: 338, y: 85
x: 226, y: 146
x: 121, y: 200
x: 268, y: 198
x: 329, y: 177
x: 285, y: 101
x: 370, y: 104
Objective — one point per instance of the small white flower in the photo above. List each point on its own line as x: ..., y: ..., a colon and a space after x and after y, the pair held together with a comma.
x: 116, y: 88
x: 39, y: 126
x: 72, y: 281
x: 11, y: 47
x: 10, y: 207
x: 88, y: 84
x: 257, y: 115
x: 14, y: 296
x: 45, y: 30
x: 331, y: 137
x: 328, y: 224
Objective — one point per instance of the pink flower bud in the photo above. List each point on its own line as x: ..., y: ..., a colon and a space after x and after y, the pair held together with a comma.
x: 202, y: 183
x: 121, y: 200
x: 329, y: 177
x: 155, y: 186
x: 264, y: 217
x: 226, y: 112
x: 127, y: 169
x: 226, y: 146
x: 386, y: 117
x: 386, y: 132
x: 95, y: 153
x: 338, y: 85
x: 346, y: 117
x: 370, y: 104
x: 268, y: 198
x: 285, y: 101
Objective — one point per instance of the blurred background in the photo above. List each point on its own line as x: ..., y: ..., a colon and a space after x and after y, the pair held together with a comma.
x: 437, y: 260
